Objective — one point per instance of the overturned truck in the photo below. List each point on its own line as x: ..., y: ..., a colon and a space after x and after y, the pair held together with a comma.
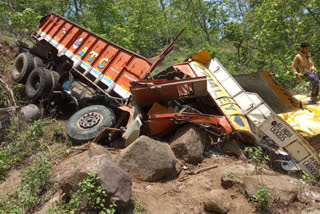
x: 116, y: 92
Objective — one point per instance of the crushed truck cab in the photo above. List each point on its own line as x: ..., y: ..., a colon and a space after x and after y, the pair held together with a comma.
x: 247, y: 112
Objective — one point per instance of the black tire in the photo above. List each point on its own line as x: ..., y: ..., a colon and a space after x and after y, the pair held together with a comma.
x: 39, y: 84
x: 37, y: 62
x: 22, y: 66
x: 55, y: 79
x: 81, y: 129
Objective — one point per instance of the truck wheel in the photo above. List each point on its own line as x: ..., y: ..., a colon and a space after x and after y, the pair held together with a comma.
x: 55, y: 79
x: 22, y: 67
x: 37, y: 62
x: 39, y: 84
x: 87, y: 123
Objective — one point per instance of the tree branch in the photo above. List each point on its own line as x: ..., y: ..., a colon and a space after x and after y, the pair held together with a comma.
x: 10, y: 5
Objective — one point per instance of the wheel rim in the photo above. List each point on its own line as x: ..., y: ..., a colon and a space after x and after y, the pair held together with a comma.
x: 89, y: 120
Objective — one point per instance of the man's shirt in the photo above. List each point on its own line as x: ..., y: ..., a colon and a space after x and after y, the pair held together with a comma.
x: 304, y: 63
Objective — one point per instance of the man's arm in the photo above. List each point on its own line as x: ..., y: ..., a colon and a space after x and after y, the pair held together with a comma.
x: 313, y: 69
x: 293, y: 68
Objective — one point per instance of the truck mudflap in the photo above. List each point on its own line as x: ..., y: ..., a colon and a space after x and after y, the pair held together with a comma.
x: 262, y: 116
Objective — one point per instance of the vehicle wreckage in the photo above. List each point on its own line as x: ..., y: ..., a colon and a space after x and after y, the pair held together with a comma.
x: 116, y: 92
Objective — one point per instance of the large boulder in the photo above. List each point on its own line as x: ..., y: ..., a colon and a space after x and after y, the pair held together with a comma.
x: 148, y: 160
x: 112, y: 177
x: 96, y: 149
x: 281, y: 187
x: 188, y: 144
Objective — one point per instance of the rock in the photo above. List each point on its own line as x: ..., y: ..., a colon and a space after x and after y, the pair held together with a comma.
x: 280, y: 186
x: 188, y: 144
x: 148, y: 160
x: 239, y: 173
x: 54, y: 201
x: 217, y: 201
x: 232, y: 148
x: 112, y: 177
x: 228, y: 180
x: 96, y: 149
x: 30, y: 113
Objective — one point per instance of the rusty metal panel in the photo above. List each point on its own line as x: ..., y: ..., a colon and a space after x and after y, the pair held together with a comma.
x: 105, y: 63
x: 164, y: 122
x: 146, y: 92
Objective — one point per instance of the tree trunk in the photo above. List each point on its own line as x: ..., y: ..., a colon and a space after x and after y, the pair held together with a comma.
x: 10, y: 5
x: 76, y: 9
x: 163, y: 7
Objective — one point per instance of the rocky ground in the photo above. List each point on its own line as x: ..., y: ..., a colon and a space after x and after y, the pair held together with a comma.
x: 185, y: 174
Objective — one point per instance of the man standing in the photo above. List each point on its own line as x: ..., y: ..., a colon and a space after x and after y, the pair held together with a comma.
x: 304, y: 62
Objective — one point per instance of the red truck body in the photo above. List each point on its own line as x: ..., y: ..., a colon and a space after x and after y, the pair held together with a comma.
x: 109, y: 66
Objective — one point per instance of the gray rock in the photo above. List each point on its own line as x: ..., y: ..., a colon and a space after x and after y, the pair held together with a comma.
x: 96, y: 149
x: 217, y: 201
x: 188, y: 144
x: 232, y: 148
x: 112, y: 177
x: 148, y: 160
x: 281, y: 187
x: 229, y: 180
x: 30, y: 113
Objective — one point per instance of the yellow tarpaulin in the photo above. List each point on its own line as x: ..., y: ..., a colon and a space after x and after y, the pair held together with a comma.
x: 306, y: 121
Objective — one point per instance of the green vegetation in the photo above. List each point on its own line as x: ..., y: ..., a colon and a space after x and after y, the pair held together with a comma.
x: 138, y: 207
x: 28, y: 195
x: 28, y: 140
x: 257, y: 156
x: 22, y: 146
x: 96, y: 195
x: 305, y: 177
x: 261, y: 198
x: 6, y: 98
x: 245, y: 35
x: 229, y: 174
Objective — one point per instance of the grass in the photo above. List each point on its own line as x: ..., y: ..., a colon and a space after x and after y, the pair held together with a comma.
x: 138, y: 207
x: 28, y: 194
x: 28, y: 140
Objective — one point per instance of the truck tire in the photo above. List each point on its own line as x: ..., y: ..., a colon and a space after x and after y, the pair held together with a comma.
x: 37, y: 62
x: 22, y: 66
x: 55, y: 79
x: 39, y: 84
x: 87, y: 123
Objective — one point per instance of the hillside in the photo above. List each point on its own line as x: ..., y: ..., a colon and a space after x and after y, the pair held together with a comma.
x: 40, y: 168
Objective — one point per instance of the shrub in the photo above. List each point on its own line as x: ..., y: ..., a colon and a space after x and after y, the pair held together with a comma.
x: 261, y: 197
x: 91, y: 191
